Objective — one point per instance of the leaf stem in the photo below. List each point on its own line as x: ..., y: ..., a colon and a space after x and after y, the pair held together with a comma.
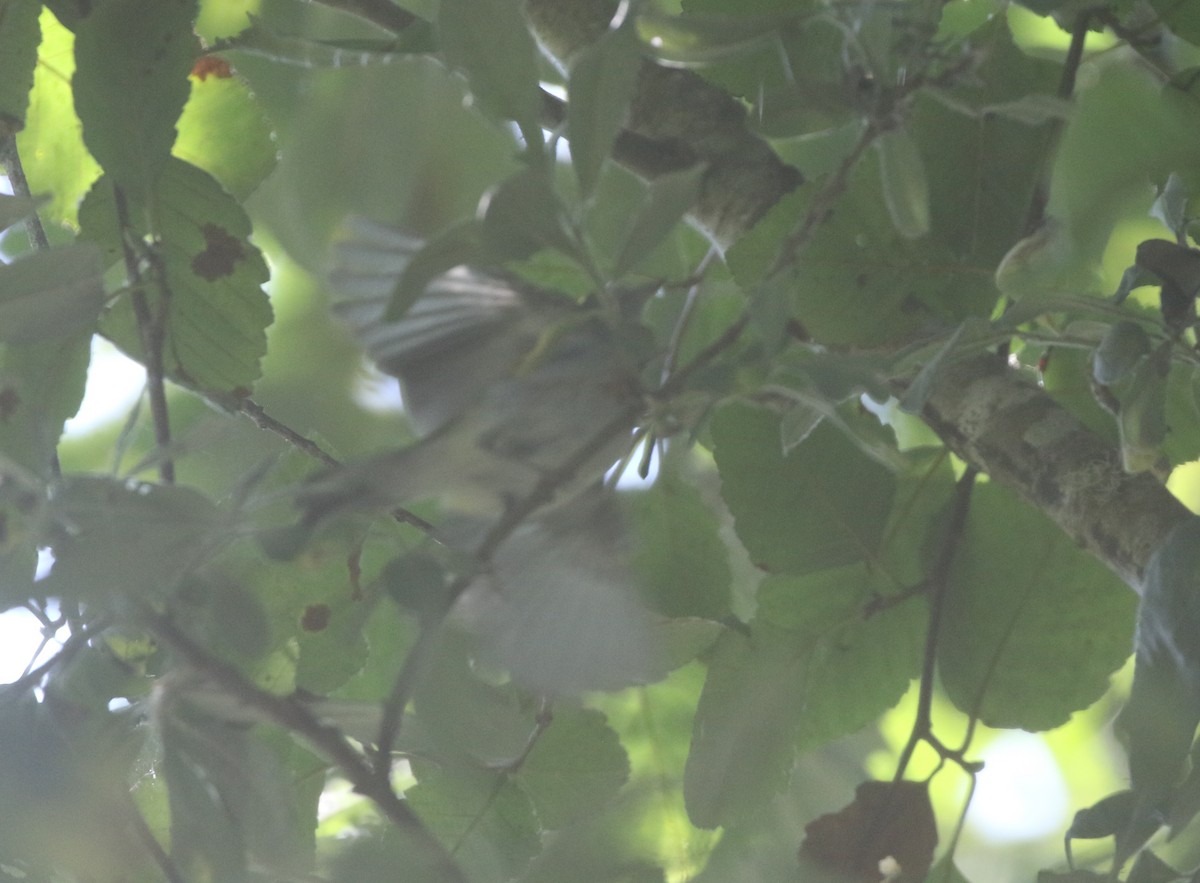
x: 151, y: 331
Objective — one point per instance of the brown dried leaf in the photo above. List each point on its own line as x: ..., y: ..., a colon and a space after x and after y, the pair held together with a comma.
x: 888, y: 830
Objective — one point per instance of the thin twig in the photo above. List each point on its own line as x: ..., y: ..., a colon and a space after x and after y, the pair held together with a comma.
x: 150, y: 331
x: 824, y: 201
x: 10, y: 158
x: 267, y: 423
x: 938, y: 587
x: 300, y: 720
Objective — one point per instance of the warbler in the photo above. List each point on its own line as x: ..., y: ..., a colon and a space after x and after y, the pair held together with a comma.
x: 506, y: 383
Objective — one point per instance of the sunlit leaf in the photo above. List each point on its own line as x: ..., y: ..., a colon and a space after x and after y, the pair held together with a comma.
x: 216, y: 107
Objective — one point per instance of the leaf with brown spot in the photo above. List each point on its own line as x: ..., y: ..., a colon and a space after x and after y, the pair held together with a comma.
x: 884, y: 821
x: 316, y: 618
x: 220, y: 256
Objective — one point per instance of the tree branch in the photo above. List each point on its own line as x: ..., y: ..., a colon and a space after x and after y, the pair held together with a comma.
x: 1008, y: 427
x: 297, y: 719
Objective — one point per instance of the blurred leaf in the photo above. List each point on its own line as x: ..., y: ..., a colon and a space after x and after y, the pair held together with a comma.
x: 260, y: 39
x: 1171, y: 205
x: 804, y: 511
x: 1121, y: 348
x: 1182, y: 18
x: 602, y: 77
x: 41, y: 386
x: 489, y: 41
x: 1149, y: 868
x: 114, y: 539
x: 1013, y: 623
x: 667, y: 199
x: 523, y: 215
x: 574, y: 769
x: 982, y: 169
x: 1142, y: 420
x: 213, y: 274
x: 741, y: 749
x: 1160, y: 719
x: 130, y: 85
x: 815, y: 668
x: 50, y: 294
x: 19, y: 38
x: 905, y: 187
x: 558, y: 609
x: 233, y: 800
x: 679, y: 556
x: 479, y: 814
x: 886, y: 820
x: 379, y: 851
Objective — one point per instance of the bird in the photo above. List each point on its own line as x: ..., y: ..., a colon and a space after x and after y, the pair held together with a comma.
x: 504, y: 382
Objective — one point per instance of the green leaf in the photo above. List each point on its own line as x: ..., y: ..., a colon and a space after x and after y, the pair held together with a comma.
x: 859, y: 661
x: 216, y: 311
x: 1182, y: 18
x: 815, y: 667
x: 983, y: 169
x: 19, y: 38
x: 1121, y: 348
x: 575, y: 768
x: 489, y: 41
x: 524, y: 215
x: 1142, y: 420
x: 234, y: 799
x: 482, y: 815
x: 742, y: 747
x: 216, y: 107
x: 1159, y: 721
x: 1013, y: 623
x: 679, y: 556
x: 905, y: 187
x: 113, y: 539
x: 50, y: 294
x: 130, y: 84
x: 41, y: 387
x: 667, y: 199
x: 51, y: 144
x: 261, y: 40
x: 822, y: 505
x: 602, y: 77
x: 1171, y: 205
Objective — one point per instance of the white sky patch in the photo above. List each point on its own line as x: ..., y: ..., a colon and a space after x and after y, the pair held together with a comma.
x: 629, y: 480
x: 377, y: 392
x: 1020, y: 795
x: 114, y: 383
x: 20, y: 637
